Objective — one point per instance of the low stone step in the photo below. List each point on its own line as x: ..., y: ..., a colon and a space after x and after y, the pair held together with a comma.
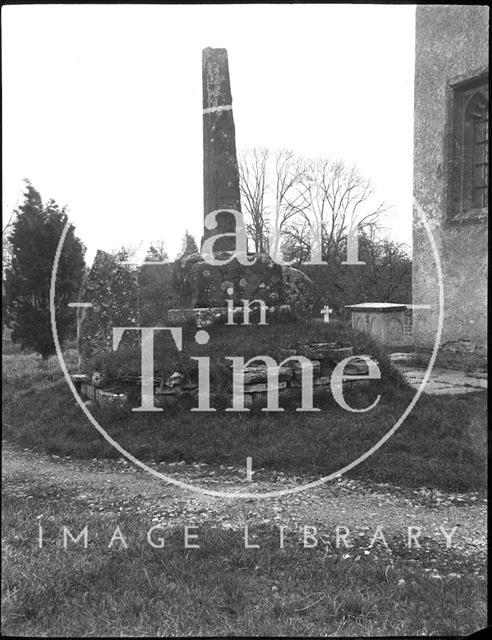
x: 326, y: 351
x: 298, y: 368
x: 261, y: 387
x: 257, y: 374
x: 103, y: 398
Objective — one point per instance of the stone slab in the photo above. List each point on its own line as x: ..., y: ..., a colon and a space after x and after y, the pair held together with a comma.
x: 326, y: 351
x: 109, y: 399
x: 298, y: 368
x: 261, y: 387
x: 402, y: 358
x: 380, y: 307
x: 443, y: 381
x: 78, y: 378
x: 253, y: 375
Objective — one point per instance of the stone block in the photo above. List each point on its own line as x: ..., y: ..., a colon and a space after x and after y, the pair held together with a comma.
x: 98, y: 379
x: 200, y: 284
x: 261, y: 387
x: 175, y: 379
x: 384, y: 321
x: 88, y: 390
x: 402, y: 358
x: 258, y: 374
x: 78, y: 378
x: 357, y: 367
x: 108, y: 399
x: 326, y: 351
x: 298, y: 368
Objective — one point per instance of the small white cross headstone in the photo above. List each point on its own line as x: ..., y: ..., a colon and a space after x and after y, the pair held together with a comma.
x: 325, y: 312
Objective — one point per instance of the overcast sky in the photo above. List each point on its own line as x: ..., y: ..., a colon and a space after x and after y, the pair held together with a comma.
x: 103, y: 111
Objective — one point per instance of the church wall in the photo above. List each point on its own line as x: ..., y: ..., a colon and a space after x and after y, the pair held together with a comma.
x: 451, y: 46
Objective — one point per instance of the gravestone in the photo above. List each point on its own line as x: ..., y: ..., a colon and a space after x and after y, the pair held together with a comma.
x: 112, y: 291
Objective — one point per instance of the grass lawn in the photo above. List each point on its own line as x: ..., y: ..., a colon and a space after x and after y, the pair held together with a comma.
x: 224, y: 589
x: 221, y: 589
x: 442, y: 444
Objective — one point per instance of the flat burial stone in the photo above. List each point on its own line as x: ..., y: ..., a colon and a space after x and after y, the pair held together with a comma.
x: 381, y: 307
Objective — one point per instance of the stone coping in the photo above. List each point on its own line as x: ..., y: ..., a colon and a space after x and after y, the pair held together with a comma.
x: 381, y: 307
x: 255, y: 378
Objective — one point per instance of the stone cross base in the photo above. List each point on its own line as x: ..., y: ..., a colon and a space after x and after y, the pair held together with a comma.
x: 201, y: 284
x: 205, y: 316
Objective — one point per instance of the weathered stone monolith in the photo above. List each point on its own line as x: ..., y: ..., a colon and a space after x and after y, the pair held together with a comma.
x: 220, y: 168
x: 202, y: 285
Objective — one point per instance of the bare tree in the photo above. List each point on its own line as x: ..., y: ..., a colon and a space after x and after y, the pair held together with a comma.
x: 253, y: 184
x: 314, y: 203
x: 6, y: 244
x: 290, y: 192
x: 271, y: 190
x: 336, y: 202
x: 296, y: 243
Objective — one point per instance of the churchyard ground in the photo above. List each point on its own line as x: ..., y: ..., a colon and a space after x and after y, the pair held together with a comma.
x: 223, y: 588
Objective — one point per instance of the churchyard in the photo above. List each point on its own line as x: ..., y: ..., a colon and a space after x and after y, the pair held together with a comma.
x: 219, y: 375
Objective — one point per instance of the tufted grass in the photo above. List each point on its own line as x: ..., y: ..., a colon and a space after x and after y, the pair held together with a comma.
x: 222, y: 588
x: 441, y: 443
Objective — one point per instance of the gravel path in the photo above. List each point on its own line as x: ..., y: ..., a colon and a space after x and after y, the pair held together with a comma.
x: 109, y: 487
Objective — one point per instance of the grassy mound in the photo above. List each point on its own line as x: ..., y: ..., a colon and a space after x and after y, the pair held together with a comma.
x: 441, y: 444
x: 283, y: 334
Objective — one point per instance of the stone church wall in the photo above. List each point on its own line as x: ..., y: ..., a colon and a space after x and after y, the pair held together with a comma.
x: 451, y: 48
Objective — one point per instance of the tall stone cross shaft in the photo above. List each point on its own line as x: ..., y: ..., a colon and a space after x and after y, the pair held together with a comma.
x: 220, y: 168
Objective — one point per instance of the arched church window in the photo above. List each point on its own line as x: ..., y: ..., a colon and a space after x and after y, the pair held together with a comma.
x: 475, y: 152
x: 469, y: 173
